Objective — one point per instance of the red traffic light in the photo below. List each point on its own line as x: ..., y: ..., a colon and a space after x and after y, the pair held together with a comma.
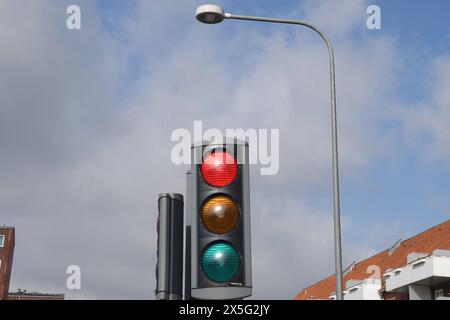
x: 219, y: 169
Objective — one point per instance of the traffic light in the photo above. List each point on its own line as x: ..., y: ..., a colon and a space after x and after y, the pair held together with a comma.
x: 220, y: 221
x: 169, y: 265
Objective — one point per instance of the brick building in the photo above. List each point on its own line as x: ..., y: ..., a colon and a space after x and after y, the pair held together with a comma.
x: 415, y: 269
x: 7, y: 242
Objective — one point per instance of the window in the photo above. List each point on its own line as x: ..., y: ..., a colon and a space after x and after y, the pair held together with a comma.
x: 2, y: 241
x: 438, y: 293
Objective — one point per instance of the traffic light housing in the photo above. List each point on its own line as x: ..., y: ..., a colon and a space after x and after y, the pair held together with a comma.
x: 169, y: 265
x: 220, y: 225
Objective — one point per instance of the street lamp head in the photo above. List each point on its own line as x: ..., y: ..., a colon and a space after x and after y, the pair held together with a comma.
x: 210, y: 14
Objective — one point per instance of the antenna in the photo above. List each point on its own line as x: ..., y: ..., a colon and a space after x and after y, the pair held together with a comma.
x: 395, y: 246
x: 349, y: 268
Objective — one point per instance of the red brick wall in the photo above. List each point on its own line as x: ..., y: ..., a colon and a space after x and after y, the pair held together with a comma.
x: 6, y: 256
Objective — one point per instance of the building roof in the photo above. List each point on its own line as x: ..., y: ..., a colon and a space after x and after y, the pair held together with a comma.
x: 6, y: 227
x: 437, y: 237
x: 24, y: 295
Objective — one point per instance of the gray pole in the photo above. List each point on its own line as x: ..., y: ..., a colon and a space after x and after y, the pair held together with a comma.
x: 187, y: 248
x: 336, y: 202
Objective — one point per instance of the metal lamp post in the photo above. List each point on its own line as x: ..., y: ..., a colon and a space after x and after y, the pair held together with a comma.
x: 211, y: 14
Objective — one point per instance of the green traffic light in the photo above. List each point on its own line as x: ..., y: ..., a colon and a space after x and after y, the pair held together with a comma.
x: 220, y: 262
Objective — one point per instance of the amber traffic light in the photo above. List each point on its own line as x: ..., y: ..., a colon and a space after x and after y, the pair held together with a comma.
x: 220, y: 214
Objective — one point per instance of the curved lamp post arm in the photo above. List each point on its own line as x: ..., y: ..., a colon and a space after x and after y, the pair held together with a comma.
x: 336, y: 202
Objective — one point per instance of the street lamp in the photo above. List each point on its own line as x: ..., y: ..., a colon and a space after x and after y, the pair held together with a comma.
x: 211, y: 14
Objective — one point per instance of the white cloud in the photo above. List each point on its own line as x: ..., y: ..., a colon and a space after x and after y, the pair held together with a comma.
x: 426, y: 123
x: 337, y: 18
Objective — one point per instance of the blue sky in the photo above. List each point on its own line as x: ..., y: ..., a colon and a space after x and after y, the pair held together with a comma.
x: 410, y: 187
x: 86, y: 119
x: 404, y: 187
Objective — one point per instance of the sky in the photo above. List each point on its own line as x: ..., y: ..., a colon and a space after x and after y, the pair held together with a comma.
x: 86, y: 118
